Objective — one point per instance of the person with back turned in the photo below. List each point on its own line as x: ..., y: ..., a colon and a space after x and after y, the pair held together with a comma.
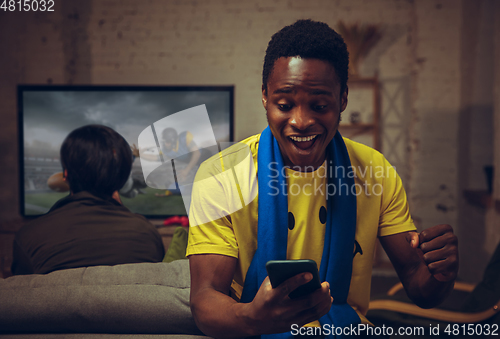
x: 90, y: 226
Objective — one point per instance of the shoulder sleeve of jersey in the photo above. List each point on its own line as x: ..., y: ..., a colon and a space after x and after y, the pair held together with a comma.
x: 210, y: 228
x: 394, y: 210
x: 220, y: 189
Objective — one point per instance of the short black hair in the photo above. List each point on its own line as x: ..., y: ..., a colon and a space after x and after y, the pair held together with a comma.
x: 308, y: 39
x: 169, y: 135
x: 98, y: 160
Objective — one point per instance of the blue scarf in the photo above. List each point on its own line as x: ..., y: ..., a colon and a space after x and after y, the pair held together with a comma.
x: 272, y: 233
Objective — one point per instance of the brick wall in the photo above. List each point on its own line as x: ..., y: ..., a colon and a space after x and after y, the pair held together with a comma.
x: 217, y: 42
x: 493, y: 213
x: 435, y: 109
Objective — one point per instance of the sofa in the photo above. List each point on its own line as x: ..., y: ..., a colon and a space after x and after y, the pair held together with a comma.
x: 145, y: 300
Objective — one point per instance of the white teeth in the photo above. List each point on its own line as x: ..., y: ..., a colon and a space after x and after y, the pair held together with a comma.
x: 301, y: 139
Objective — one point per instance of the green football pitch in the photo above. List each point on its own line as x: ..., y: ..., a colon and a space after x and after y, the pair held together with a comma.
x: 147, y: 204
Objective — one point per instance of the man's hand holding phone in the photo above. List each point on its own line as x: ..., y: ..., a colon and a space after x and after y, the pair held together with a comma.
x: 273, y: 310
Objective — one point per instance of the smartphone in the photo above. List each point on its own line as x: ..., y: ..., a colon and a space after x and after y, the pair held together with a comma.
x: 281, y: 270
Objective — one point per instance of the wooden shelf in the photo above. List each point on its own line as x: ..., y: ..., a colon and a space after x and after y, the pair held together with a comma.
x: 351, y: 130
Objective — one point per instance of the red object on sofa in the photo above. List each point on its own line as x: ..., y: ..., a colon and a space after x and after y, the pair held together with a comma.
x: 177, y: 220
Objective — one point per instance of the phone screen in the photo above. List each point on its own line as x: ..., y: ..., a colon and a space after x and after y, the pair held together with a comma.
x: 281, y: 270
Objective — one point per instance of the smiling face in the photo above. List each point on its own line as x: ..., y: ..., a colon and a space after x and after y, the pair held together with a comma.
x: 303, y: 104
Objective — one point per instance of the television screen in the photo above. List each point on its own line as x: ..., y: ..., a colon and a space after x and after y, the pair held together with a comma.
x: 47, y: 114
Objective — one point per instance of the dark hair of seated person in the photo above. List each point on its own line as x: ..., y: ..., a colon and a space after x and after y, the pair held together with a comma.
x: 97, y: 160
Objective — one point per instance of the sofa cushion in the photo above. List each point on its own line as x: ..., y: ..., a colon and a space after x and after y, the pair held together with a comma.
x: 146, y: 298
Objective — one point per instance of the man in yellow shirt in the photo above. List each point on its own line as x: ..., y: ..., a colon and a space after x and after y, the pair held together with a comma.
x: 299, y: 190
